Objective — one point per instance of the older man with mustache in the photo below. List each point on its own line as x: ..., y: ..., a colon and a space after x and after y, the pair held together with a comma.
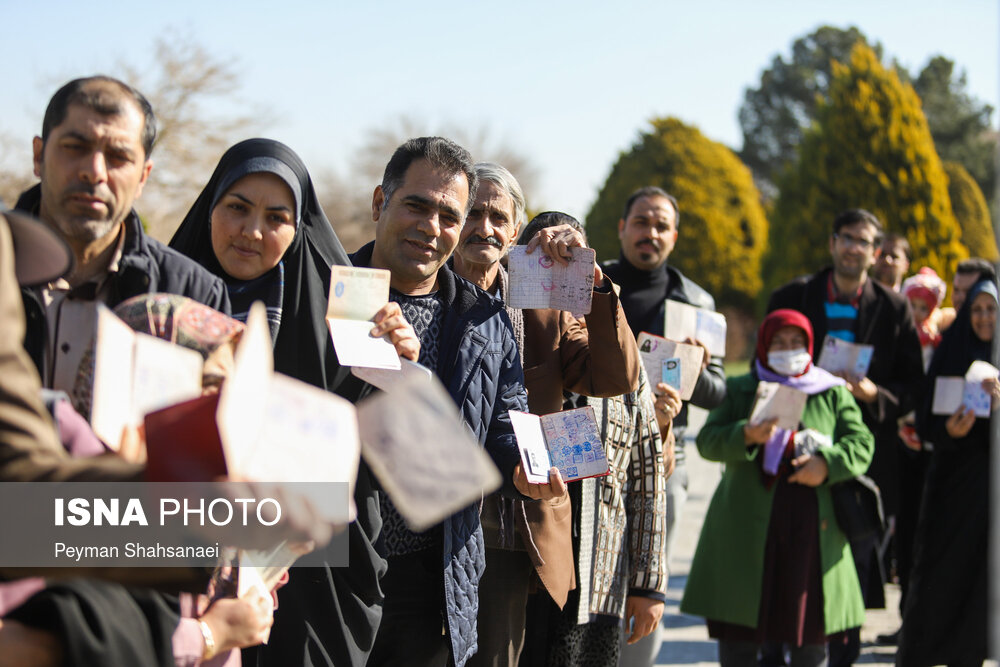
x: 648, y: 231
x: 528, y: 539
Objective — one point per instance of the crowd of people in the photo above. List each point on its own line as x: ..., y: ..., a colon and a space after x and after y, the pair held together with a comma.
x: 559, y: 573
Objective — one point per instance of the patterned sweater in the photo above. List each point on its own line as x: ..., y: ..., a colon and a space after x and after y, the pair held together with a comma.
x: 621, y: 518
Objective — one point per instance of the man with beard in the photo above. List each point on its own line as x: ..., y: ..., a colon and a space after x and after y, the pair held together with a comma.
x: 843, y: 303
x: 648, y: 231
x: 557, y: 353
x: 93, y: 159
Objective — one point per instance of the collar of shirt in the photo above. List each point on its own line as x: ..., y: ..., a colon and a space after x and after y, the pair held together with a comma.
x: 832, y: 296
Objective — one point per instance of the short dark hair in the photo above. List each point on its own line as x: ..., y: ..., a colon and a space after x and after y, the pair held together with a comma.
x: 900, y: 240
x: 853, y: 216
x: 549, y: 219
x: 653, y: 191
x: 977, y: 265
x: 441, y: 153
x: 87, y: 93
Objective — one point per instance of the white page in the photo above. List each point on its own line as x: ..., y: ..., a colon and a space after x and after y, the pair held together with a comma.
x: 355, y: 346
x: 244, y: 395
x: 416, y: 443
x: 654, y: 349
x: 975, y: 397
x: 356, y: 295
x: 163, y: 374
x: 531, y: 443
x: 538, y: 281
x: 383, y: 377
x: 948, y: 395
x: 682, y: 321
x: 841, y: 356
x: 574, y: 443
x: 777, y: 400
x: 113, y: 369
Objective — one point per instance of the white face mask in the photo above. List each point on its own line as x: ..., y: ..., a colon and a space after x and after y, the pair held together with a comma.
x: 789, y: 362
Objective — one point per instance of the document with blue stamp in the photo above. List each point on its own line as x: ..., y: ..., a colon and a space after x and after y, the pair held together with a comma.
x: 569, y: 440
x: 356, y: 294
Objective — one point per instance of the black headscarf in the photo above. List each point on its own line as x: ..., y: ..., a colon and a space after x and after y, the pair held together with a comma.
x: 302, y: 347
x: 959, y: 347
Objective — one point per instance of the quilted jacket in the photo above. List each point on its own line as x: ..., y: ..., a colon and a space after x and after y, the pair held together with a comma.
x: 480, y: 367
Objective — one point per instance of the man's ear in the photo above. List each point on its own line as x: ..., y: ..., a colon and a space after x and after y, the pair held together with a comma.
x: 378, y: 199
x: 37, y: 148
x: 621, y: 227
x: 146, y: 168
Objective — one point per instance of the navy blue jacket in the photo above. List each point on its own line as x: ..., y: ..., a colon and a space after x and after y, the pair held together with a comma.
x: 480, y: 367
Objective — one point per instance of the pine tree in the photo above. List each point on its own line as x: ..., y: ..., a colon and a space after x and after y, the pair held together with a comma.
x: 723, y: 231
x: 870, y: 148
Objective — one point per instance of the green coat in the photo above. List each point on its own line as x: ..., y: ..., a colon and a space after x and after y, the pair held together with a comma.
x: 726, y: 575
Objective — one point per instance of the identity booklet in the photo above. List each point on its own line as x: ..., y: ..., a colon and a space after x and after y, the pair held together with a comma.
x: 682, y: 321
x: 656, y: 350
x: 538, y: 281
x: 569, y: 440
x: 356, y: 295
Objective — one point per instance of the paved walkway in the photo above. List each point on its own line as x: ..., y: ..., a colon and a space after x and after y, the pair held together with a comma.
x: 686, y: 639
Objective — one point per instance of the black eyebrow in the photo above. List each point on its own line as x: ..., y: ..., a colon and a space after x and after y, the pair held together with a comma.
x: 444, y: 208
x: 243, y: 199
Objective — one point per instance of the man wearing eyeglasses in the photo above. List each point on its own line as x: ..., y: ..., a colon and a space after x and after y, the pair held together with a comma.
x: 843, y: 302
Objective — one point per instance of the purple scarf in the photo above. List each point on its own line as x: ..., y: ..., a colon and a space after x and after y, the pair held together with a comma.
x: 813, y: 381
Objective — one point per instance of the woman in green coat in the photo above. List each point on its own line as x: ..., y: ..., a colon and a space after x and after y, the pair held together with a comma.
x: 772, y: 565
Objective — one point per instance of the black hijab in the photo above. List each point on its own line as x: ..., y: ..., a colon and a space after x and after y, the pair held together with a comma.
x: 959, y: 347
x: 302, y: 347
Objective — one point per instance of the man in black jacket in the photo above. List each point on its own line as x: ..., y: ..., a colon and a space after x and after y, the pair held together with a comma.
x: 93, y: 159
x: 648, y: 231
x: 841, y: 302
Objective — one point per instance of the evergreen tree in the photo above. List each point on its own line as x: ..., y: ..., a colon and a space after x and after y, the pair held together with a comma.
x: 723, y: 231
x: 871, y: 148
x: 969, y: 207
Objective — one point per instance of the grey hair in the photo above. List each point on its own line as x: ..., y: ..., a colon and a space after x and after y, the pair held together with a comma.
x: 498, y: 175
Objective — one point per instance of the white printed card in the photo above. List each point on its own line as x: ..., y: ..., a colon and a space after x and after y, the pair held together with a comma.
x: 568, y: 440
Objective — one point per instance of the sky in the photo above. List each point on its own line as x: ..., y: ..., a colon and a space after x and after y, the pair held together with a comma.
x: 568, y: 84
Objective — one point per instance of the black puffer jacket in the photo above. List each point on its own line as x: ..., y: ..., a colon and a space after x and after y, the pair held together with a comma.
x: 146, y: 266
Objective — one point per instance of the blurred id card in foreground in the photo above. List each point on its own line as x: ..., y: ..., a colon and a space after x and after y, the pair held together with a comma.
x: 356, y: 294
x: 840, y: 356
x: 568, y: 440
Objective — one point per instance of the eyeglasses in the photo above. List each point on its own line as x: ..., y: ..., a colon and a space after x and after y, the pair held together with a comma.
x: 854, y: 241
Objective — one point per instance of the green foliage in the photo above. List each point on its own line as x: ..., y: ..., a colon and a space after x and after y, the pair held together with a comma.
x: 723, y: 231
x: 969, y: 207
x: 775, y: 115
x: 959, y: 123
x: 871, y: 148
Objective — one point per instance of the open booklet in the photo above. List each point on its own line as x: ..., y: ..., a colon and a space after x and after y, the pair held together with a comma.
x: 951, y: 392
x: 262, y: 426
x: 417, y: 445
x: 538, y: 281
x: 777, y: 400
x: 686, y: 362
x: 840, y: 356
x: 356, y: 295
x: 682, y: 321
x: 135, y: 373
x: 569, y: 440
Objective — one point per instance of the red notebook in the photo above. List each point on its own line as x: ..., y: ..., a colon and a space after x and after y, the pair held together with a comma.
x: 183, y: 442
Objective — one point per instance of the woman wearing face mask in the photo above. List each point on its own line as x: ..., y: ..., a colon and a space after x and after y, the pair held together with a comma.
x: 258, y: 224
x: 772, y: 565
x: 944, y: 619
